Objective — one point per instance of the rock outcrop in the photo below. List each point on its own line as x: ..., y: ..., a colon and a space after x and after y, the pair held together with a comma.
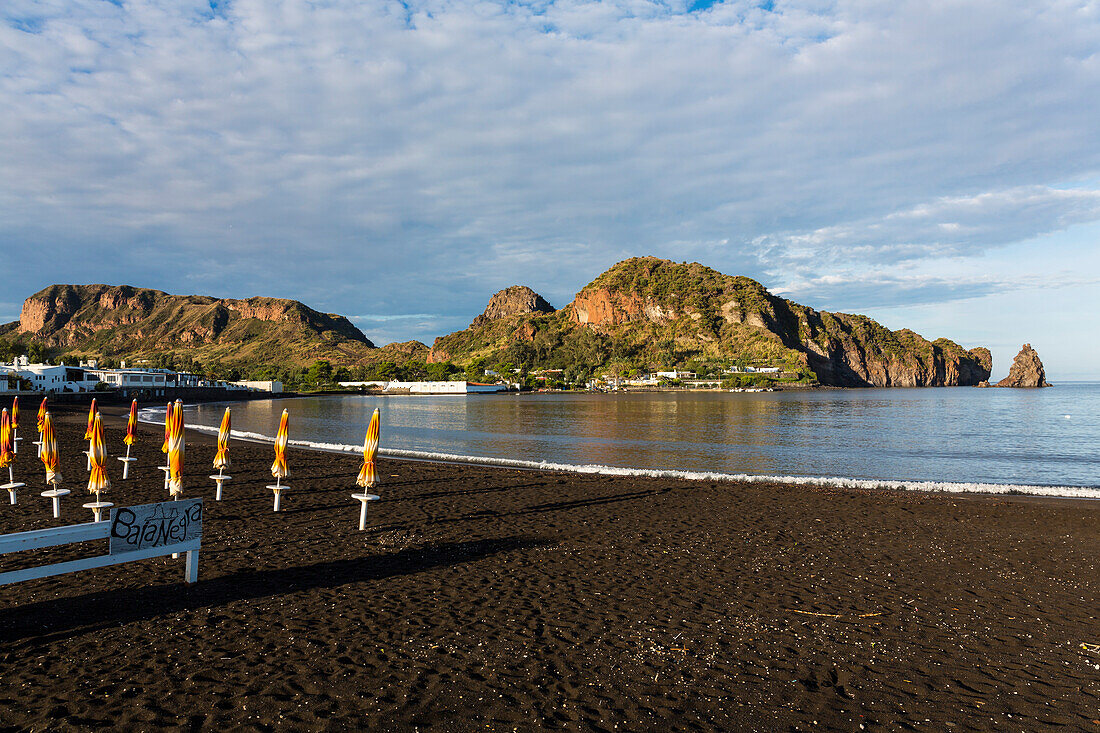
x: 1027, y: 370
x: 513, y: 301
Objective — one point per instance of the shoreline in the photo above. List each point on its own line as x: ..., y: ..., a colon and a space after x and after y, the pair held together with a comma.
x: 931, y: 487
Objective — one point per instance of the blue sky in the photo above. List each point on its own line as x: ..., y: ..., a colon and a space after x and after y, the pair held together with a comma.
x: 933, y: 165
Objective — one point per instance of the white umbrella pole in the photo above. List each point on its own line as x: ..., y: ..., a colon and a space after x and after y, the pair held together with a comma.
x: 15, y: 440
x: 56, y: 503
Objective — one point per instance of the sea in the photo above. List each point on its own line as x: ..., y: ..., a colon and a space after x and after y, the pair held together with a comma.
x: 1042, y: 441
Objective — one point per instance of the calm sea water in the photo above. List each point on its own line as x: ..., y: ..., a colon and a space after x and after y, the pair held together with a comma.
x: 1045, y: 437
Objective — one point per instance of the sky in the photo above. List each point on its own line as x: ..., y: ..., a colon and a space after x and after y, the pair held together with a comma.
x: 934, y: 165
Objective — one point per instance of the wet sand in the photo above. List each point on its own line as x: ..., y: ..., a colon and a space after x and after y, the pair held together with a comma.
x: 496, y: 599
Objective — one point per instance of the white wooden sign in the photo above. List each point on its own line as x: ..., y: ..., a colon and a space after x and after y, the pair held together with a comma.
x: 148, y: 526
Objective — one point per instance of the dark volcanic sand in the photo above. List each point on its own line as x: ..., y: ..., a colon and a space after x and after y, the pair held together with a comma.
x: 491, y: 599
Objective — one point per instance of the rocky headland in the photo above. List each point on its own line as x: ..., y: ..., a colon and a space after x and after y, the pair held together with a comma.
x: 651, y: 312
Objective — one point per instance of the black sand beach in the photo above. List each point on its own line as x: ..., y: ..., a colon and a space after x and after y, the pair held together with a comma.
x: 493, y: 599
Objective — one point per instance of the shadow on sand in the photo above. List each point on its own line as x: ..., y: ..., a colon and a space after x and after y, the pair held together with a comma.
x: 61, y: 618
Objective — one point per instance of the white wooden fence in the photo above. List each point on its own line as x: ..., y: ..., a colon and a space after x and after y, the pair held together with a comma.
x: 54, y: 536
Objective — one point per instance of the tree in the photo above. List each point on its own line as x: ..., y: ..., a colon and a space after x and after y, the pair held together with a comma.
x: 319, y: 373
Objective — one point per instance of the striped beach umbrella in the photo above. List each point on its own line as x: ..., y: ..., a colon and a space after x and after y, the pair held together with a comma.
x: 92, y: 410
x: 97, y: 446
x: 176, y: 451
x: 14, y: 421
x: 367, y: 476
x: 7, y: 443
x: 50, y: 458
x: 279, y: 469
x: 167, y: 427
x: 221, y: 458
x: 131, y: 425
x: 41, y: 418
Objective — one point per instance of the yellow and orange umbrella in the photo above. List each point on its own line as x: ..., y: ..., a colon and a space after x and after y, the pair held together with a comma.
x: 97, y: 448
x: 7, y: 444
x: 367, y: 476
x: 41, y: 415
x: 167, y: 427
x: 50, y: 459
x: 279, y: 469
x: 131, y: 425
x: 92, y: 410
x: 221, y: 458
x: 176, y: 451
x: 14, y: 415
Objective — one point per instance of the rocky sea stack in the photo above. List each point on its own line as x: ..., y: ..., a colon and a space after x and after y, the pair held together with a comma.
x: 1027, y: 370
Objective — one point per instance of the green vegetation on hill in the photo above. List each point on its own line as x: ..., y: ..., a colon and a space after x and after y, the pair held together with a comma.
x: 646, y: 313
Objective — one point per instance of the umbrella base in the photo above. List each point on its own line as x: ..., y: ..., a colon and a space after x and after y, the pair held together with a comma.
x: 97, y: 508
x: 363, y: 500
x: 11, y: 489
x: 278, y: 489
x: 126, y: 466
x: 219, y: 480
x: 56, y: 495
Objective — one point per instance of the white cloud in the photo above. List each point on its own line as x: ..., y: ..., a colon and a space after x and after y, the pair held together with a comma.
x: 392, y: 158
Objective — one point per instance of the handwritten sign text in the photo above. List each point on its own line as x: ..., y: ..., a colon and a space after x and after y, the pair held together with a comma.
x: 155, y: 525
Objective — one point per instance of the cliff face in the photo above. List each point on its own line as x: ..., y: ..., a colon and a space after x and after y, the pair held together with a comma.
x: 661, y: 313
x: 107, y: 320
x: 1027, y: 370
x: 513, y: 301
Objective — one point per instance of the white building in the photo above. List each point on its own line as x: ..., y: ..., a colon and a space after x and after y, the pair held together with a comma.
x: 50, y: 378
x: 130, y: 378
x: 676, y: 375
x: 273, y: 386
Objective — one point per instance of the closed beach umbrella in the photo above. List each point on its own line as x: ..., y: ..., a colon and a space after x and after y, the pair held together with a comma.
x: 167, y: 428
x: 175, y: 451
x: 14, y: 422
x: 129, y: 440
x: 41, y: 415
x: 131, y: 425
x: 98, y: 480
x: 50, y: 459
x: 7, y: 444
x: 278, y: 468
x: 221, y: 458
x: 367, y: 476
x: 92, y: 410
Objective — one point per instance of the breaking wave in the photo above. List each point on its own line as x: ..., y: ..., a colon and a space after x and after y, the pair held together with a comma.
x: 156, y: 416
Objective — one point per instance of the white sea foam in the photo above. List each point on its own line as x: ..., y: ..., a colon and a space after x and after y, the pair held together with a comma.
x: 155, y: 416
